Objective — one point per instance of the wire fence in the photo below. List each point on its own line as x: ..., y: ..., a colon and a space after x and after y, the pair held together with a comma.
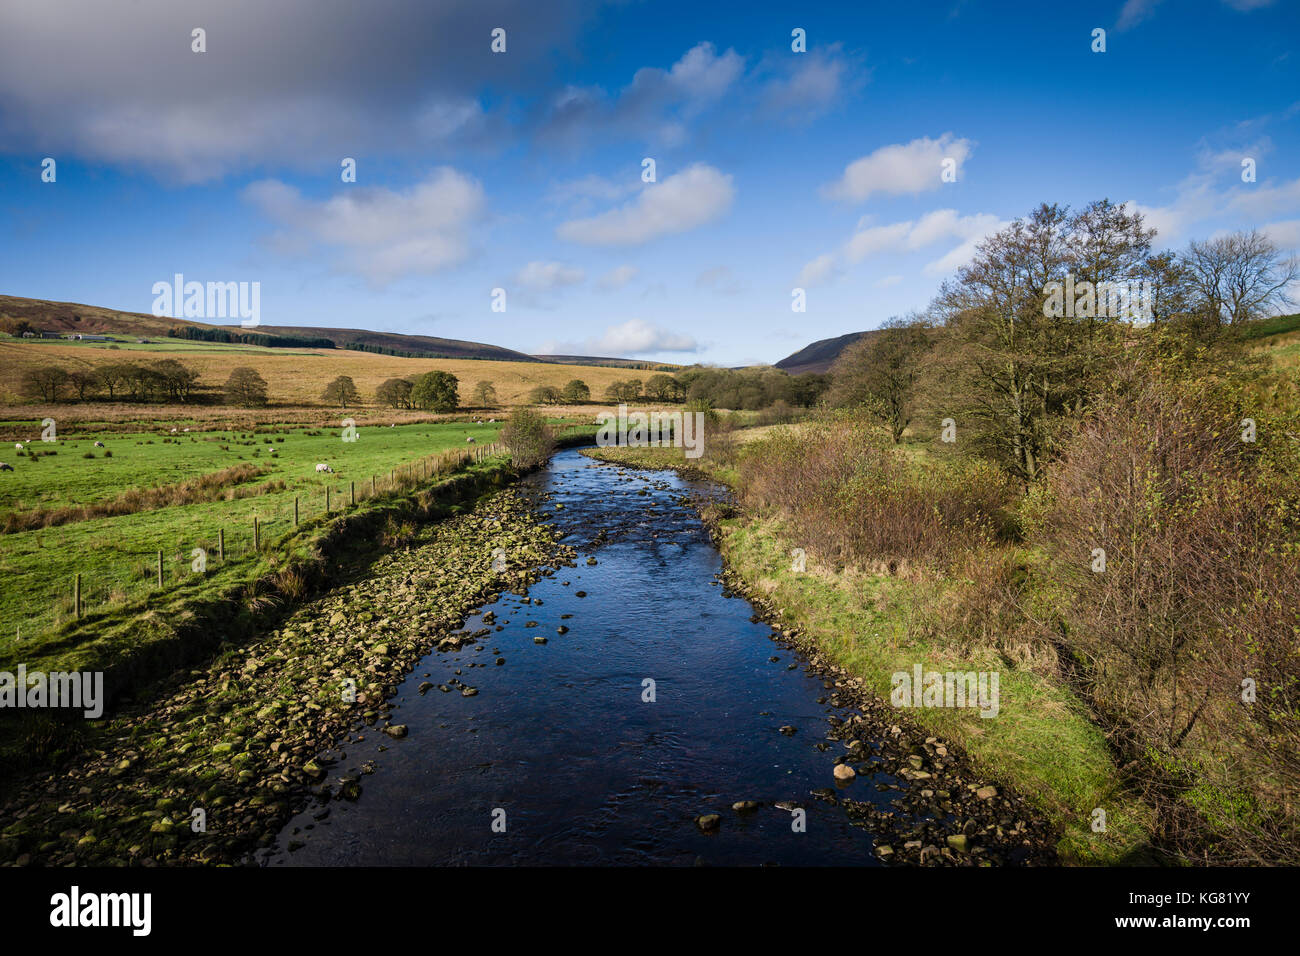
x: 126, y: 575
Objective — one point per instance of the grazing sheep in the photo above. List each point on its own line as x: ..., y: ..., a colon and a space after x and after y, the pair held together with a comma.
x: 5, y: 466
x: 18, y: 445
x: 99, y: 444
x: 324, y: 467
x: 173, y: 431
x: 469, y: 441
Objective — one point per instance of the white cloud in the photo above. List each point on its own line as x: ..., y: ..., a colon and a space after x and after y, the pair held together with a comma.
x: 908, y: 236
x: 547, y: 276
x: 616, y: 278
x: 900, y: 169
x: 1286, y: 233
x: 810, y: 83
x: 819, y: 270
x: 633, y: 337
x: 382, y: 234
x: 690, y: 199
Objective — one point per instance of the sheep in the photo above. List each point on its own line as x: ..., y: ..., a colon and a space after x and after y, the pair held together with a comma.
x: 99, y: 444
x: 173, y: 431
x: 5, y: 466
x: 324, y: 467
x: 469, y: 441
x: 18, y: 445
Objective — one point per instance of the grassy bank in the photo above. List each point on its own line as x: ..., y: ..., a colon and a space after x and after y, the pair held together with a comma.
x: 1041, y: 742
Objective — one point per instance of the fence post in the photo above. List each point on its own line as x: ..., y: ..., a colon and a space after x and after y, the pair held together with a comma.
x: 160, y: 584
x: 353, y: 491
x: 257, y: 535
x: 221, y: 543
x: 327, y: 499
x: 295, y: 512
x: 76, y: 596
x: 372, y: 486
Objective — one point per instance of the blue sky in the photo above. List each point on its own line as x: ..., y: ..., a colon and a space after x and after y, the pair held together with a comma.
x: 522, y: 170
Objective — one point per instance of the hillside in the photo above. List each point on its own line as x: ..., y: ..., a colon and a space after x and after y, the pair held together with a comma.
x: 819, y: 356
x: 65, y: 317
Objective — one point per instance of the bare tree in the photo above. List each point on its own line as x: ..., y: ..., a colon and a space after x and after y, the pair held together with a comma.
x: 1240, y: 276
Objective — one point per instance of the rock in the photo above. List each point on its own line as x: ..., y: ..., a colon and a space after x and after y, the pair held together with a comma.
x: 986, y: 793
x: 469, y: 692
x: 788, y: 730
x: 395, y: 730
x: 745, y: 806
x: 561, y: 630
x: 885, y: 851
x: 539, y: 640
x: 844, y: 772
x: 959, y: 842
x: 709, y: 822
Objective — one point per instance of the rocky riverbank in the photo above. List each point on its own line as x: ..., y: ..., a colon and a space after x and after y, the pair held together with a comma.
x: 212, y: 769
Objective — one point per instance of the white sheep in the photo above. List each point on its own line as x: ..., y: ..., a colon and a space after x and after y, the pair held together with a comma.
x: 324, y: 467
x: 5, y: 466
x: 469, y: 441
x: 18, y: 445
x: 99, y: 444
x: 174, y: 431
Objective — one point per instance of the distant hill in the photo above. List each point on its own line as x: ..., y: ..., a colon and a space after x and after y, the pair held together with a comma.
x: 820, y: 356
x: 64, y: 317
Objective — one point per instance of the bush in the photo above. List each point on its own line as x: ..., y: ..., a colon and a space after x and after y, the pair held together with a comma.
x: 528, y: 437
x: 860, y: 502
x: 1200, y: 591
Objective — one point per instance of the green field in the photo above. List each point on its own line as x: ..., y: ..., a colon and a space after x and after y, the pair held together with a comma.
x: 117, y: 556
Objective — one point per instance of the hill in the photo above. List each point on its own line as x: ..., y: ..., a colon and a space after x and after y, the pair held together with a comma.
x: 820, y: 356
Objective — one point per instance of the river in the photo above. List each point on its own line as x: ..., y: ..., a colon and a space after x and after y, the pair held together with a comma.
x: 560, y: 758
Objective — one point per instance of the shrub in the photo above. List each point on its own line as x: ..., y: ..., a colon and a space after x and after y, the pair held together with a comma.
x: 528, y: 437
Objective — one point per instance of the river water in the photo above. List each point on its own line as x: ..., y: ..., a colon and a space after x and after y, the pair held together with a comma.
x: 559, y: 747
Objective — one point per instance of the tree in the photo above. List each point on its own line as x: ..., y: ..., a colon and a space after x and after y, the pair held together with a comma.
x: 1014, y: 367
x: 245, y: 387
x: 628, y: 390
x: 44, y: 383
x: 395, y: 392
x: 663, y: 388
x: 82, y: 383
x: 882, y: 371
x: 1240, y: 276
x: 485, y: 394
x: 436, y: 391
x: 175, y: 378
x: 113, y: 378
x: 341, y: 392
x: 576, y: 392
x: 544, y: 395
x: 528, y: 437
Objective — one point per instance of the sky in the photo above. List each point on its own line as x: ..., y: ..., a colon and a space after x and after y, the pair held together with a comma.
x: 774, y: 169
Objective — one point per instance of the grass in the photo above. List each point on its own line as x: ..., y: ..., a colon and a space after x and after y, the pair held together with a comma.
x: 297, y: 376
x: 1042, y: 742
x: 117, y: 556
